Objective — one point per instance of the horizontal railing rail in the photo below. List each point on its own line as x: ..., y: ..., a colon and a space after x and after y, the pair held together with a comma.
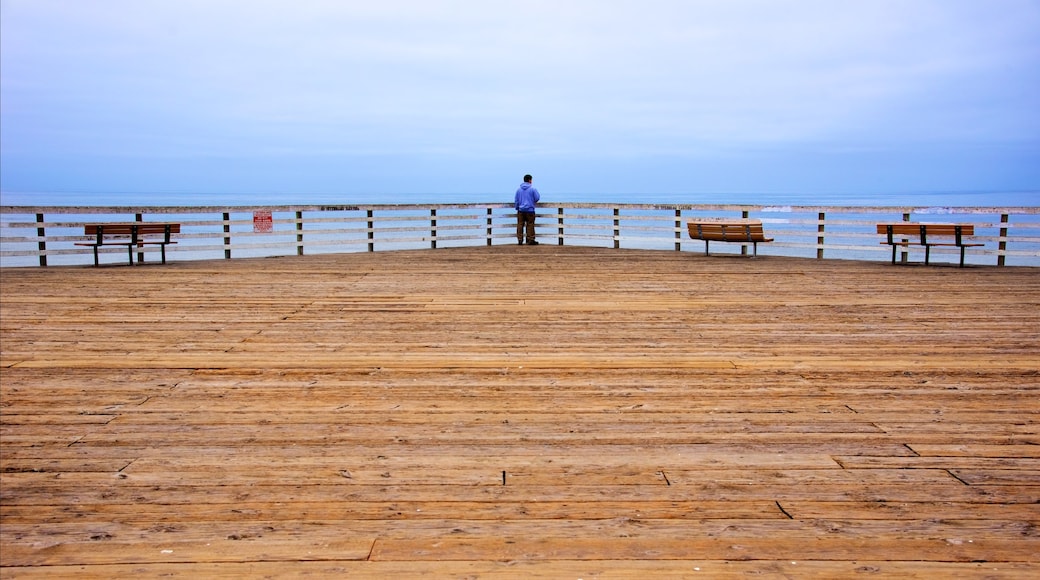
x: 46, y: 235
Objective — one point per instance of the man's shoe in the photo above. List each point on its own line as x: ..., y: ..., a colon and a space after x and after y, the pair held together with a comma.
x: 520, y: 243
x: 532, y: 243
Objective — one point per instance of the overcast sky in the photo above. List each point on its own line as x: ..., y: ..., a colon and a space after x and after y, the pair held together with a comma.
x: 317, y: 97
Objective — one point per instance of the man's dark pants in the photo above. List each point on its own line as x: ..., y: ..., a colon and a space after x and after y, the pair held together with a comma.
x: 525, y: 220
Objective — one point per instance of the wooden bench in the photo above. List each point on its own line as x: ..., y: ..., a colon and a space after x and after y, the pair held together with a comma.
x: 900, y: 234
x: 737, y: 231
x: 131, y: 235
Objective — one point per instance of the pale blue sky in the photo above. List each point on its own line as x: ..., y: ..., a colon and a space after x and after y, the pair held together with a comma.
x: 714, y: 99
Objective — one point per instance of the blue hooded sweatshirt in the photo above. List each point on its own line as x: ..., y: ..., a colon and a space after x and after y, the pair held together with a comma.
x: 526, y: 197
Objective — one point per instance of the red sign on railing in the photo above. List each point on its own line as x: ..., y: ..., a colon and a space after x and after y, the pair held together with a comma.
x: 263, y: 222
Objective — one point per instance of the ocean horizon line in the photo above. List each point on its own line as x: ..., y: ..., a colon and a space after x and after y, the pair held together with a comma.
x: 967, y: 198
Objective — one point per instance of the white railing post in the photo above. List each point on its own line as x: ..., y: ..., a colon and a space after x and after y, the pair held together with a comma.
x: 743, y: 247
x: 433, y: 228
x: 1002, y: 245
x: 559, y: 226
x: 140, y: 249
x: 819, y: 235
x: 41, y: 235
x: 227, y: 235
x: 489, y: 234
x: 678, y: 229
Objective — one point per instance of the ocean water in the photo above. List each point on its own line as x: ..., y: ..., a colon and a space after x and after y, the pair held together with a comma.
x: 903, y: 199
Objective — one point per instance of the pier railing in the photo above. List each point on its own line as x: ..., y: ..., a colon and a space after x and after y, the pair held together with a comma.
x: 46, y: 235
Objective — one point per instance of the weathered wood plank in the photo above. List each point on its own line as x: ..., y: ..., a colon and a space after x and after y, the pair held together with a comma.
x: 321, y: 530
x: 391, y: 510
x: 851, y: 510
x: 978, y: 451
x: 47, y: 489
x: 605, y: 569
x: 156, y: 550
x: 791, y: 547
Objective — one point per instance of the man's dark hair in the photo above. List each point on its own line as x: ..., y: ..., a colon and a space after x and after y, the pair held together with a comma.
x: 528, y: 178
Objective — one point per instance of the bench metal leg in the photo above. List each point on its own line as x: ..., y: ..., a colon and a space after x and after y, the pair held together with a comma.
x: 706, y: 247
x: 130, y: 251
x: 96, y: 264
x: 893, y: 254
x: 162, y: 248
x: 927, y: 251
x: 962, y: 256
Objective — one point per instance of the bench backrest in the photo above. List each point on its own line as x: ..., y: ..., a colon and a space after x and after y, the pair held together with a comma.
x: 135, y: 230
x: 924, y: 231
x: 737, y: 231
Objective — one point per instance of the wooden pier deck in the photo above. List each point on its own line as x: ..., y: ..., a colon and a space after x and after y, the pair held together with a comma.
x: 553, y: 412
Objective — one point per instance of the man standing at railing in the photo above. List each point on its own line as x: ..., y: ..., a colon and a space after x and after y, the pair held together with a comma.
x: 525, y: 201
